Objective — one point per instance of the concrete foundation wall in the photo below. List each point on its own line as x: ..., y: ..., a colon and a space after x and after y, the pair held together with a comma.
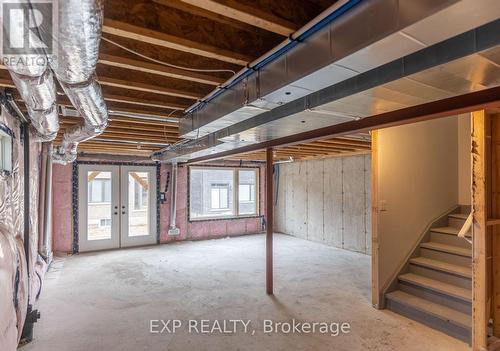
x: 327, y: 201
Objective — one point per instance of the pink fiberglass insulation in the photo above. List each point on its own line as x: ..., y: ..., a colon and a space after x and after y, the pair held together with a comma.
x: 14, y: 284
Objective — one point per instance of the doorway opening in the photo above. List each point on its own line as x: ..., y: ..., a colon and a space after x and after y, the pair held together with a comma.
x: 116, y: 206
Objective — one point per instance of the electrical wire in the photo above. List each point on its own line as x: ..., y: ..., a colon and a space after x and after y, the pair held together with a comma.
x: 166, y: 63
x: 164, y: 126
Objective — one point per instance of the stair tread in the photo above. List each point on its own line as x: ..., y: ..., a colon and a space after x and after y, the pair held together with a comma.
x: 443, y: 266
x: 432, y: 308
x: 448, y: 230
x: 435, y: 285
x: 459, y: 215
x: 457, y: 250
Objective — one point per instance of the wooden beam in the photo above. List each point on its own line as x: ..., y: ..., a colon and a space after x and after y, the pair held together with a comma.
x: 133, y: 124
x: 269, y: 221
x: 480, y: 281
x: 161, y: 70
x: 92, y: 175
x: 493, y: 221
x: 377, y: 300
x: 142, y: 182
x: 152, y: 37
x: 149, y: 88
x: 251, y: 15
x: 199, y: 11
x: 7, y: 83
x: 141, y: 102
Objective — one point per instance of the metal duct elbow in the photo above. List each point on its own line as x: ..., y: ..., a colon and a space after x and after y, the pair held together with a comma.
x: 36, y: 85
x: 80, y: 25
x: 88, y: 100
x: 39, y: 95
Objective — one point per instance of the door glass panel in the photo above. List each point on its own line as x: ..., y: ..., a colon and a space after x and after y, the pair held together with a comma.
x: 138, y: 203
x: 247, y: 192
x: 99, y: 217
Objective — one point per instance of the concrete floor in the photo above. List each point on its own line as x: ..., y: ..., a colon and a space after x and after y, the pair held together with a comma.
x: 105, y: 301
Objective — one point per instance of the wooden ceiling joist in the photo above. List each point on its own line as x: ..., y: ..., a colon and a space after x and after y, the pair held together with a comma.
x: 148, y: 88
x: 141, y: 102
x: 251, y: 15
x: 148, y: 43
x: 202, y: 12
x: 162, y: 70
x: 130, y: 31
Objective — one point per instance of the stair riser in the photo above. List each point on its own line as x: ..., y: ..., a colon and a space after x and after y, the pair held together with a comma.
x: 460, y: 332
x: 456, y: 222
x: 446, y: 257
x: 436, y: 297
x: 441, y: 276
x: 449, y: 239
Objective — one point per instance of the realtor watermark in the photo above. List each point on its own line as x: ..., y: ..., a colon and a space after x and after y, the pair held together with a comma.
x: 247, y: 326
x: 28, y: 32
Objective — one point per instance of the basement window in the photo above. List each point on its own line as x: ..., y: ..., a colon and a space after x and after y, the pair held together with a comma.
x: 222, y: 192
x: 5, y: 153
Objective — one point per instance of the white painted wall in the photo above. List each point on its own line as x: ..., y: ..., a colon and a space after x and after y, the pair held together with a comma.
x: 464, y: 160
x: 312, y: 201
x: 418, y: 182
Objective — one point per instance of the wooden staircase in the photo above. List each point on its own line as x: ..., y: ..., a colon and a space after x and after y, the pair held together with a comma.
x: 435, y: 288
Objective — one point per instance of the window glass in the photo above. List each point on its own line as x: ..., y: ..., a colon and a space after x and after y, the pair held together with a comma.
x: 138, y: 195
x: 212, y: 192
x: 99, y: 187
x: 247, y: 192
x: 5, y: 152
x: 99, y: 205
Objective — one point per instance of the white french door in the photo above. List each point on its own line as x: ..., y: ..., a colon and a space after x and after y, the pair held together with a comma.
x: 116, y: 206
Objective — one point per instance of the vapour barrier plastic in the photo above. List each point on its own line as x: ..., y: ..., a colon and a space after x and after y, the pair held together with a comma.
x: 13, y: 270
x: 15, y: 288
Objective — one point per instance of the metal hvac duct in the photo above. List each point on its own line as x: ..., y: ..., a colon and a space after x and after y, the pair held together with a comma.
x: 34, y: 81
x: 80, y: 25
x: 340, y: 55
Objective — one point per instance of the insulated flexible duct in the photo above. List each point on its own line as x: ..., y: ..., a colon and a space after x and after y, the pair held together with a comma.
x: 35, y: 83
x: 80, y: 25
x: 74, y: 60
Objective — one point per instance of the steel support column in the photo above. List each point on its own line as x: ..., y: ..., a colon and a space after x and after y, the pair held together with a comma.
x: 269, y: 218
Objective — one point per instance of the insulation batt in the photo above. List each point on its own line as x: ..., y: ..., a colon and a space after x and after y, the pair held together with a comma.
x: 13, y: 268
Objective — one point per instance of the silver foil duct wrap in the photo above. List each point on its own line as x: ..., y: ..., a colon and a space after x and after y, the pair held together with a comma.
x: 39, y: 95
x: 87, y: 98
x: 80, y: 24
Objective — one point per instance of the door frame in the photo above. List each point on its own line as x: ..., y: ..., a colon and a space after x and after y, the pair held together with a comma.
x: 75, y: 202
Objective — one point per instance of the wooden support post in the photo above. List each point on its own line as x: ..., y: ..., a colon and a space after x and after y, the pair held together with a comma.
x: 269, y: 227
x: 480, y: 281
x: 494, y: 219
x: 376, y: 300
